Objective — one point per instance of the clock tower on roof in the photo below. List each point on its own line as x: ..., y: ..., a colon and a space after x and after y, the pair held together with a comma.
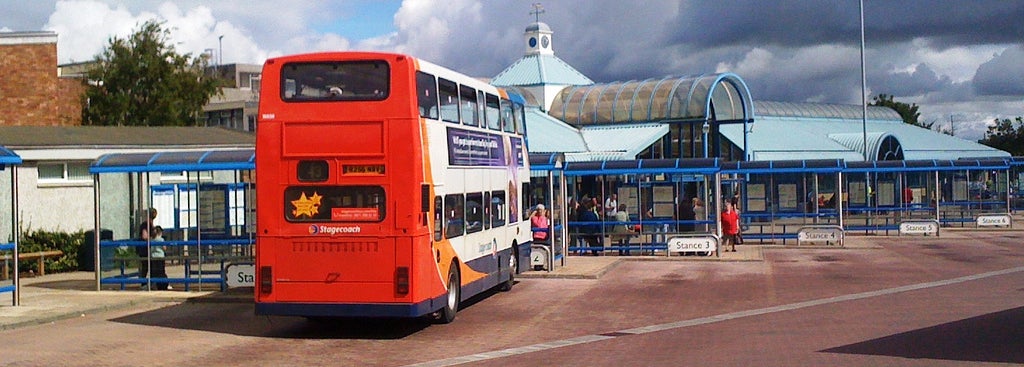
x: 538, y: 35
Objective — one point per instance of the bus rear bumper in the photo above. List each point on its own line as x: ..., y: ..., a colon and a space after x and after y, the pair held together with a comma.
x: 349, y: 309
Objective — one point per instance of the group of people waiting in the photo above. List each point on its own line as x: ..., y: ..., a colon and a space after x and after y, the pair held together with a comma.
x: 689, y: 213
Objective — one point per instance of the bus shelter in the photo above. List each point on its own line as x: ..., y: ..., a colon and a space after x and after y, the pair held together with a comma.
x: 654, y: 200
x: 10, y: 281
x: 778, y: 198
x: 547, y: 187
x: 205, y: 203
x: 883, y: 194
x: 1016, y: 183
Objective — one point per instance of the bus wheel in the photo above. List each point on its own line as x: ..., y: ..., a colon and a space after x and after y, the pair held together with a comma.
x: 513, y: 268
x: 447, y: 313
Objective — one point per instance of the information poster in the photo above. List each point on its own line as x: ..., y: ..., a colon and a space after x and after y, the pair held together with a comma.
x: 886, y: 194
x: 755, y: 191
x: 959, y: 190
x: 663, y: 194
x: 858, y: 192
x: 628, y: 196
x: 788, y: 198
x: 756, y: 200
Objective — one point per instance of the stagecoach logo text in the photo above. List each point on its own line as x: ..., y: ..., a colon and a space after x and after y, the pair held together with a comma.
x: 332, y: 230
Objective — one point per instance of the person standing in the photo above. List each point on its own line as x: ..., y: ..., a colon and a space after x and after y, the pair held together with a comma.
x: 685, y: 216
x: 145, y: 229
x: 622, y: 229
x: 592, y: 227
x: 730, y: 222
x: 611, y: 205
x: 539, y: 224
x: 699, y: 212
x: 157, y: 263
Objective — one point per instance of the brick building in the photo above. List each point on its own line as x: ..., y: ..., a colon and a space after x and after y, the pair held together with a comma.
x: 31, y: 91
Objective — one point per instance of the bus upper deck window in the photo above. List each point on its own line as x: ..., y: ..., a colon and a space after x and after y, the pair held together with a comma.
x: 313, y: 171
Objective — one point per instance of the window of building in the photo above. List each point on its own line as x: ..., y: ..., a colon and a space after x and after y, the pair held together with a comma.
x: 64, y: 173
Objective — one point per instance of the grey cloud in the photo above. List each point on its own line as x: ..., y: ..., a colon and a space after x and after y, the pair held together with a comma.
x: 922, y: 80
x: 1003, y: 75
x: 807, y: 22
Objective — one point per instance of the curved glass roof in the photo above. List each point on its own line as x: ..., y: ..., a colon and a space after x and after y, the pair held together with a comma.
x: 720, y: 97
x: 823, y: 110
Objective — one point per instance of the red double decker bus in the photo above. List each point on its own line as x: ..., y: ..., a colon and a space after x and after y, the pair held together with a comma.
x: 387, y: 186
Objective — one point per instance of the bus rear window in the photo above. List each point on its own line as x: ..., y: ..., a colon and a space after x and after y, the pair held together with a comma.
x: 334, y: 204
x: 335, y: 81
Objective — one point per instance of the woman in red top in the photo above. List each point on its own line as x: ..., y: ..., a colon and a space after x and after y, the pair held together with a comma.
x: 539, y: 223
x: 730, y: 225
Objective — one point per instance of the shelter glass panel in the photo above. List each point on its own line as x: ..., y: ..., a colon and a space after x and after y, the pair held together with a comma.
x: 606, y: 102
x: 642, y: 101
x: 623, y: 101
x: 679, y: 101
x: 660, y: 99
x: 589, y: 105
x: 698, y: 98
x: 728, y: 105
x: 571, y: 110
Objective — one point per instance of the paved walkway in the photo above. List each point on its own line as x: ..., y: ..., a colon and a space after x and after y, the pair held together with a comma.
x: 52, y: 297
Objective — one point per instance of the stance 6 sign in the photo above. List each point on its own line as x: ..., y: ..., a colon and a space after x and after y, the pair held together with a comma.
x: 994, y: 220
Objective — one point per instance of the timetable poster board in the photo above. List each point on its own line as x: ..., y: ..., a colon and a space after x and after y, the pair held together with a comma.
x: 755, y: 191
x: 858, y: 192
x: 787, y: 196
x: 960, y: 190
x: 756, y: 199
x: 886, y: 193
x: 628, y: 196
x: 664, y: 193
x: 663, y: 210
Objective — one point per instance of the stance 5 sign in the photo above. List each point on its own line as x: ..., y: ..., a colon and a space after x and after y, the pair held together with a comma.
x: 920, y: 227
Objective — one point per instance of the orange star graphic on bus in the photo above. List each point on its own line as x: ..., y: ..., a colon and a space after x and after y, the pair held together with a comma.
x: 308, y: 206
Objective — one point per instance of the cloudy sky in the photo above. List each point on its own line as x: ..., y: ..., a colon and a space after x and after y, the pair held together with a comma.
x: 959, y: 60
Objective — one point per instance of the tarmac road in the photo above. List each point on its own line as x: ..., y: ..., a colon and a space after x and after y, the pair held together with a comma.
x: 956, y: 300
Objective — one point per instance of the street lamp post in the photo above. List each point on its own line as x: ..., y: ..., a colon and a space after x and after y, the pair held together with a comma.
x: 863, y: 85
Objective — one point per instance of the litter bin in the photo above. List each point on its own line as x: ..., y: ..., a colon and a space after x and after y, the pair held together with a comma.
x: 87, y: 252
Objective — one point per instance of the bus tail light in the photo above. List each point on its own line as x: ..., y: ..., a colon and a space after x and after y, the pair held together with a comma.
x: 402, y: 281
x: 266, y: 280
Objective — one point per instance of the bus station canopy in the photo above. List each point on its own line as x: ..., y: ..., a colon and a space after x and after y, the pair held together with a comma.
x: 644, y: 166
x: 787, y: 166
x: 208, y: 160
x: 928, y: 165
x: 709, y: 166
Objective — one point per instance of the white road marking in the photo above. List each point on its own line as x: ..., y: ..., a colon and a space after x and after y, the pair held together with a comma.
x: 706, y: 320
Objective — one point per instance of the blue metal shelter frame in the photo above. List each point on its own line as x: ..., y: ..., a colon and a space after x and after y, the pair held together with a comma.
x: 222, y: 250
x: 648, y: 187
x: 871, y: 196
x: 10, y: 159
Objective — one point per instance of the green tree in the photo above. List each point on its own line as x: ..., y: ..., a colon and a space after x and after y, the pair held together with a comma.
x: 142, y: 81
x: 1007, y: 135
x: 908, y: 112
